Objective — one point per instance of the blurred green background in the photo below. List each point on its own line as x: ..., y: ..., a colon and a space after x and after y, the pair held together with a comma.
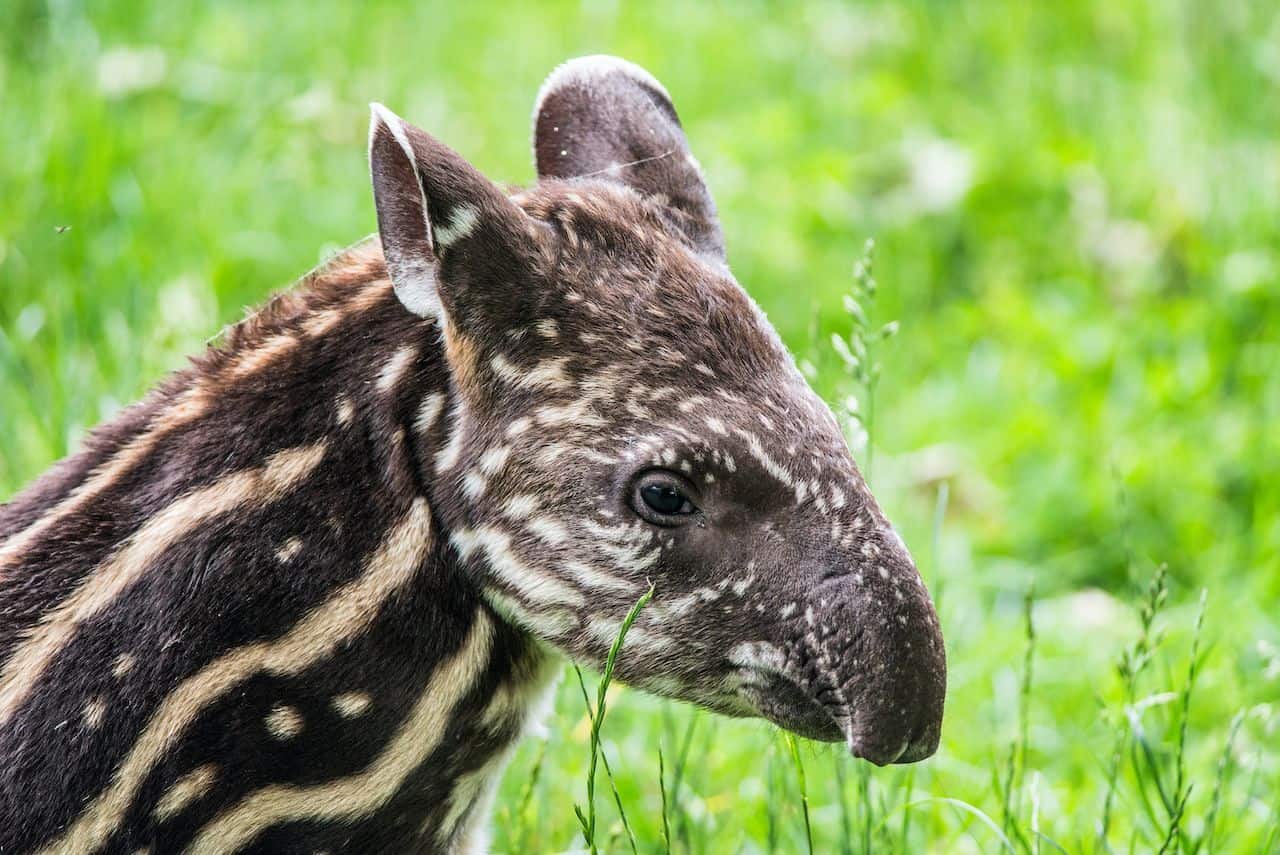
x: 1076, y: 208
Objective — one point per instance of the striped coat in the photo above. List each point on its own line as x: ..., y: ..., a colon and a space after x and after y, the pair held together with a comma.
x: 309, y: 593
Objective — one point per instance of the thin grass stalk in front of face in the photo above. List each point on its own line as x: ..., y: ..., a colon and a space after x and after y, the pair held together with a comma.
x: 794, y: 748
x: 608, y: 771
x: 588, y: 821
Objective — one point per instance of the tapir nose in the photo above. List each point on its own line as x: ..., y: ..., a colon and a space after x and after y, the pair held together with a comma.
x: 880, y: 636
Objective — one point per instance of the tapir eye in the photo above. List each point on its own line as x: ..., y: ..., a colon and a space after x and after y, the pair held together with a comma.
x: 661, y: 498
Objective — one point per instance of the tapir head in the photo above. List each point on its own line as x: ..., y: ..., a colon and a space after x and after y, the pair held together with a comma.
x: 625, y: 416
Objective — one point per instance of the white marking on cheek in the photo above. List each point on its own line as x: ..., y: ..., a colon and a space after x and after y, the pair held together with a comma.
x: 395, y: 367
x: 284, y: 722
x: 757, y: 654
x: 771, y: 466
x: 593, y: 579
x: 461, y: 221
x: 547, y: 456
x: 605, y: 632
x: 288, y: 550
x: 351, y: 704
x: 548, y: 529
x: 533, y: 585
x: 551, y: 623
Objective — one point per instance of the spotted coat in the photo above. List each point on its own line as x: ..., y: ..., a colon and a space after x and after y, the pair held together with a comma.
x: 309, y: 593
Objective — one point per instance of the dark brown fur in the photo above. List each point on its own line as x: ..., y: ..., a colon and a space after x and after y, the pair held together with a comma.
x: 306, y: 595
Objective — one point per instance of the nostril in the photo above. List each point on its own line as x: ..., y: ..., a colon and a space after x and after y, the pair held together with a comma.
x: 880, y: 754
x: 921, y: 747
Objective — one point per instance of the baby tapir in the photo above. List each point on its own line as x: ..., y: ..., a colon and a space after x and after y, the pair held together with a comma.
x: 307, y: 595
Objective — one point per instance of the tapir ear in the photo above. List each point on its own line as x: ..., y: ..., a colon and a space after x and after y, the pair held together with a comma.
x: 605, y: 117
x: 451, y: 238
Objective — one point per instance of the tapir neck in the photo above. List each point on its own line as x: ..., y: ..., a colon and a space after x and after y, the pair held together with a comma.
x: 232, y: 620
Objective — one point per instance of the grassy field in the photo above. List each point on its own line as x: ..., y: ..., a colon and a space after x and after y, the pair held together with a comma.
x: 1076, y: 209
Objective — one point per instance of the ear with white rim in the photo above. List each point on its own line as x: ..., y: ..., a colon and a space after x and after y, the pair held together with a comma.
x: 604, y: 117
x: 451, y: 238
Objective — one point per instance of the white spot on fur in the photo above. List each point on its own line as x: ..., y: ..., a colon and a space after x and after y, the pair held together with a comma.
x: 462, y: 220
x: 548, y: 374
x: 448, y: 456
x: 284, y: 722
x: 395, y: 367
x: 494, y: 459
x: 288, y: 550
x: 757, y: 654
x: 521, y: 506
x: 346, y: 410
x: 123, y: 665
x: 351, y: 704
x: 428, y: 412
x: 94, y: 711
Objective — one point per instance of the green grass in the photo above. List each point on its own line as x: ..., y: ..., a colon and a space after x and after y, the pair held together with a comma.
x: 1076, y: 210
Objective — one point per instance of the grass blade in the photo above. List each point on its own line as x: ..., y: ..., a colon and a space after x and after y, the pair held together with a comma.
x: 597, y: 720
x: 794, y: 747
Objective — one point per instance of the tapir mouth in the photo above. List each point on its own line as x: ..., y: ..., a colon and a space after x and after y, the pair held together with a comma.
x: 823, y: 710
x: 782, y: 700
